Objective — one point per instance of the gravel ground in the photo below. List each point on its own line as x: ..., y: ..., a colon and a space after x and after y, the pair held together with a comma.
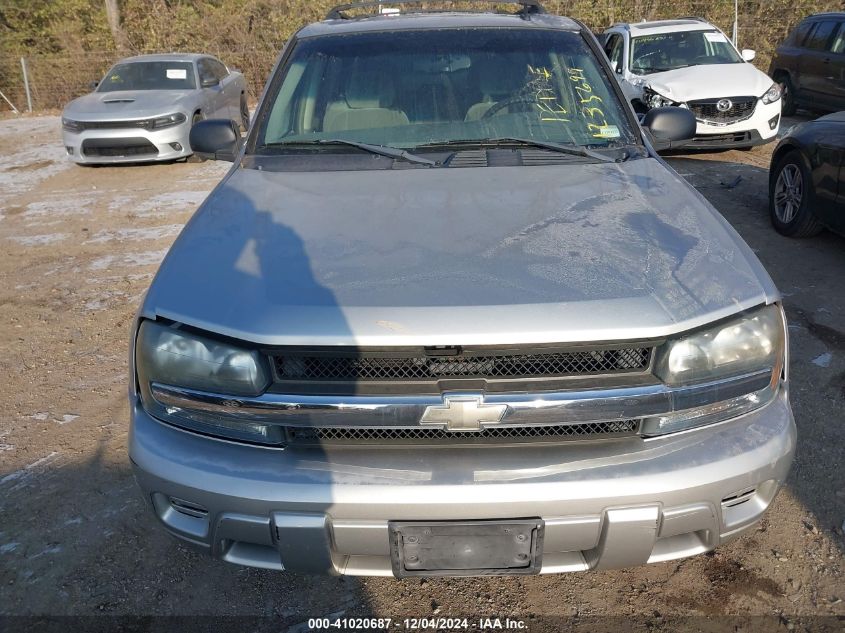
x: 78, y: 248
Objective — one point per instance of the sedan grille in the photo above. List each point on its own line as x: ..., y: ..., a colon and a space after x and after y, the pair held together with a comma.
x: 118, y: 147
x: 412, y: 435
x: 419, y: 366
x: 707, y: 110
x: 143, y: 124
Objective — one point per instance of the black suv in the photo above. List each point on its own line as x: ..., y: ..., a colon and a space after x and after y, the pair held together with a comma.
x: 810, y: 64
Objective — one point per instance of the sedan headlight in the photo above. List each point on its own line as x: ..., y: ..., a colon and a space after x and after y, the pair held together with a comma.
x: 168, y: 120
x: 72, y: 126
x: 170, y: 357
x: 772, y: 94
x: 721, y: 372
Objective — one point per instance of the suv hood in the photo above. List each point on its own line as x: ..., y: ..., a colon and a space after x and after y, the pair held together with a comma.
x: 712, y: 81
x: 104, y: 106
x: 493, y: 255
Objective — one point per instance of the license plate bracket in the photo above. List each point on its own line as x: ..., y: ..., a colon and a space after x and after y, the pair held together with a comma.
x: 466, y: 548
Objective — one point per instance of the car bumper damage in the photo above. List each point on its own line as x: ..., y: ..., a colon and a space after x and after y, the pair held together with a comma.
x: 758, y: 129
x: 597, y: 504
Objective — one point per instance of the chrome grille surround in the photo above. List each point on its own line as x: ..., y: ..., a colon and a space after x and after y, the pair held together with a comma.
x: 706, y: 111
x: 550, y: 416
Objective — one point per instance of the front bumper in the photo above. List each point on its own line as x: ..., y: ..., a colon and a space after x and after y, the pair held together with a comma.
x: 605, y: 504
x: 139, y: 145
x: 761, y: 128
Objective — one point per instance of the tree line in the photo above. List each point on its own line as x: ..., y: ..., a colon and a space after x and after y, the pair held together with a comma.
x: 249, y: 33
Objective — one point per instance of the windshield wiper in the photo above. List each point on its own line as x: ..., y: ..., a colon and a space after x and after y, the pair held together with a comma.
x: 381, y: 150
x: 574, y: 150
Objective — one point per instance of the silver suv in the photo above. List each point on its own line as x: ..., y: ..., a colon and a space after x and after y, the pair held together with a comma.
x: 450, y: 314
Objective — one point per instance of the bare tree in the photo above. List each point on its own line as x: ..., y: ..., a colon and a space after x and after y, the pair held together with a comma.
x: 113, y: 18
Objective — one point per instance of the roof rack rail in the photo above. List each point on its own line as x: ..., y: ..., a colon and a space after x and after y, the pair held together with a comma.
x: 338, y: 12
x: 693, y: 17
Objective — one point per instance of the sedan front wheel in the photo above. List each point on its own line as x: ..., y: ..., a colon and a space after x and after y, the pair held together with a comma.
x: 193, y: 158
x: 791, y: 198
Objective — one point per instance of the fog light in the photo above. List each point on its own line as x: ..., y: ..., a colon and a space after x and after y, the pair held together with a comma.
x: 176, y: 146
x: 69, y: 150
x: 773, y: 122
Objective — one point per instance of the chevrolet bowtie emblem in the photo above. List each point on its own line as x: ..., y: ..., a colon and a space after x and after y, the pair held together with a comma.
x: 463, y: 413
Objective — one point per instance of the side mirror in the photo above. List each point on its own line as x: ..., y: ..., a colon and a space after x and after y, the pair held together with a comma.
x: 669, y: 127
x: 209, y: 82
x: 93, y: 85
x: 217, y: 139
x: 748, y: 54
x: 617, y: 67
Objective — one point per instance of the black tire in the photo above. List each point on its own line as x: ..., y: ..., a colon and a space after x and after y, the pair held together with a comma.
x: 788, y: 105
x: 193, y: 158
x: 244, y: 113
x: 791, y: 182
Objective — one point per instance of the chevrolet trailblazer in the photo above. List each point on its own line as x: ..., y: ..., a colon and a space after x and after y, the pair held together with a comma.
x: 450, y: 314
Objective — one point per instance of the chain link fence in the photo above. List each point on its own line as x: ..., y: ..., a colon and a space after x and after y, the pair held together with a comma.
x: 55, y: 79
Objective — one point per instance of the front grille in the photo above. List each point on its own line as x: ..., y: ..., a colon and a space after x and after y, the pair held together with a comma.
x: 144, y: 124
x: 118, y: 147
x: 712, y: 139
x: 361, y: 367
x: 706, y: 110
x: 412, y: 435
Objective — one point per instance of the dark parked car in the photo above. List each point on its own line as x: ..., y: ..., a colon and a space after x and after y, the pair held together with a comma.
x: 807, y: 178
x: 810, y: 64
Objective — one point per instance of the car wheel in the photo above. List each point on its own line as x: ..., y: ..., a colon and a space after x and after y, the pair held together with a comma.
x: 193, y: 158
x: 788, y: 106
x: 244, y: 113
x: 791, y: 198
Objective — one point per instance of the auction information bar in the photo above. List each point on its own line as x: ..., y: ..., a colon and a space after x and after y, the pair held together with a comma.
x: 417, y: 624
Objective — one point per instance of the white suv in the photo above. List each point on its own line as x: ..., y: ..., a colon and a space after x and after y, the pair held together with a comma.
x: 692, y: 64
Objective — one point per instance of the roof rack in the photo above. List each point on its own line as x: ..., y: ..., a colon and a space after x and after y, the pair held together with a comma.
x: 338, y: 13
x: 693, y: 17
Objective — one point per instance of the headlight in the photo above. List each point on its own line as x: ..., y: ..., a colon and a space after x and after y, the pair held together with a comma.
x: 772, y: 94
x: 171, y: 357
x: 753, y: 342
x: 72, y: 126
x: 654, y: 100
x: 742, y: 358
x: 168, y: 120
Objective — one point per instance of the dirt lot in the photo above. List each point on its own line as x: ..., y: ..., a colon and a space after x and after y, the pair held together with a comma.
x: 79, y: 246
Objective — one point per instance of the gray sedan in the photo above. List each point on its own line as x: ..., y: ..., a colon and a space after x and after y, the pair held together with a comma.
x: 145, y: 106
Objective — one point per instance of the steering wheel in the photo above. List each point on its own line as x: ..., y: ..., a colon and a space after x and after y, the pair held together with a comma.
x: 638, y: 63
x: 501, y: 105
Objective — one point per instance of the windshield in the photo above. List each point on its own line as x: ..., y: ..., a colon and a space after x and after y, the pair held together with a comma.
x: 667, y: 51
x: 149, y: 76
x: 413, y: 88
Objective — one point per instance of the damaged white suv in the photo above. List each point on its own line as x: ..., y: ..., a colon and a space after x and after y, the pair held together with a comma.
x: 692, y: 64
